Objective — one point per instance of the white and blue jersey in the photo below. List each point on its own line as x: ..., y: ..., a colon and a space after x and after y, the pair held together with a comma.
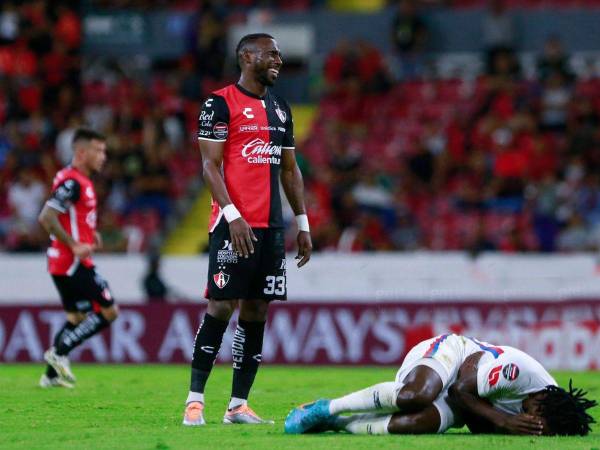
x: 445, y: 354
x: 509, y: 378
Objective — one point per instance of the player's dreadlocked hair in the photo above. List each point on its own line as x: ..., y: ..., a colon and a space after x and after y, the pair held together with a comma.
x: 565, y: 411
x: 249, y: 38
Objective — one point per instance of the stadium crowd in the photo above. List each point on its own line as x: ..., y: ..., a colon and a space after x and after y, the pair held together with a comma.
x: 45, y: 95
x: 395, y: 160
x: 501, y: 162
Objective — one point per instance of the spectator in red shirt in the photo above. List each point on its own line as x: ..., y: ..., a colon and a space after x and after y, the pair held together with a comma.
x: 68, y: 28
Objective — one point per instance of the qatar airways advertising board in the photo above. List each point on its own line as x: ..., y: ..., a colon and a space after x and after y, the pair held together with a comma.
x: 563, y: 335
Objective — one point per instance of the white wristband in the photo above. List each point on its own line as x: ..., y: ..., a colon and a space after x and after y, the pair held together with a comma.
x: 302, y: 221
x: 231, y: 213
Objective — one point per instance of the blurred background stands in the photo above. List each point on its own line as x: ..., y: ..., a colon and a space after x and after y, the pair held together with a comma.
x: 410, y: 135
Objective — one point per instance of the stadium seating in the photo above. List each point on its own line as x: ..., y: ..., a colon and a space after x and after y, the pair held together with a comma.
x: 44, y: 92
x: 399, y: 123
x: 454, y: 161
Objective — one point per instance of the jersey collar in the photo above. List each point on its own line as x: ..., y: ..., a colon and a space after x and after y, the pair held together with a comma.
x: 250, y: 94
x: 72, y: 167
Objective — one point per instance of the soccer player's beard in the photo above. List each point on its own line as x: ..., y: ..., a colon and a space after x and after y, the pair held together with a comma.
x: 262, y: 76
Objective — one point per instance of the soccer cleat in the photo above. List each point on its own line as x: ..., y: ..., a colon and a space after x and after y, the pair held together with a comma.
x: 61, y: 364
x: 306, y: 417
x: 332, y: 423
x: 292, y: 421
x: 194, y: 414
x: 243, y: 414
x: 47, y: 382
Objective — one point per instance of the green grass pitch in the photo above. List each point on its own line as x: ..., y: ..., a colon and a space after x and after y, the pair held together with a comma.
x: 140, y: 407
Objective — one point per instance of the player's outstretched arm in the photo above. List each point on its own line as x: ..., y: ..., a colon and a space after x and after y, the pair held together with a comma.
x: 293, y: 185
x: 465, y: 397
x: 241, y: 233
x: 48, y: 218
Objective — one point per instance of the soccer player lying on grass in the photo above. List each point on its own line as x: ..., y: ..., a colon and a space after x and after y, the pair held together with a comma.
x: 450, y: 380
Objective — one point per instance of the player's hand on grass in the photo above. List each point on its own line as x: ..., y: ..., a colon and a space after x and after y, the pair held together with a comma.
x: 304, y: 248
x: 81, y: 250
x: 242, y: 237
x: 522, y: 424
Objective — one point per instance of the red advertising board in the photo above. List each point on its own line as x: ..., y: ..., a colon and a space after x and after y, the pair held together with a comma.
x: 561, y: 335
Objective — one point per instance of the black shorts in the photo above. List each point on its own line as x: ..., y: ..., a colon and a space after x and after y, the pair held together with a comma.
x: 260, y: 276
x: 83, y: 291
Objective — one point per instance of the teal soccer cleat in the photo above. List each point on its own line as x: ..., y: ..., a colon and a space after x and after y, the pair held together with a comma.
x: 292, y: 421
x: 304, y: 418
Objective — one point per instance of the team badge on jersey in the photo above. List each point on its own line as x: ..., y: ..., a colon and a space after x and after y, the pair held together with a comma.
x: 281, y: 114
x: 221, y: 279
x: 510, y: 372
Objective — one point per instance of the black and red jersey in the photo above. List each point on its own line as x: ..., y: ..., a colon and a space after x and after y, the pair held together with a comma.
x: 74, y: 197
x: 255, y: 130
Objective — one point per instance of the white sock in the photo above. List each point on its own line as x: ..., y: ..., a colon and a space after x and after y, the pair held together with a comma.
x: 367, y: 423
x: 195, y: 397
x: 382, y: 396
x: 235, y: 402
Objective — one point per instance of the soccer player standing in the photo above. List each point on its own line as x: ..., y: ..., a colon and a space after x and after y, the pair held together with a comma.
x: 246, y: 139
x: 69, y: 216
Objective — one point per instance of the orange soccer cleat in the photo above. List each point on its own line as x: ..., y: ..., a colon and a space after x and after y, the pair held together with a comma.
x: 194, y: 414
x: 243, y: 414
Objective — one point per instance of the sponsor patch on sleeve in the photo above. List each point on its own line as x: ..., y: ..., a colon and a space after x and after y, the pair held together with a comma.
x: 220, y: 130
x: 510, y: 372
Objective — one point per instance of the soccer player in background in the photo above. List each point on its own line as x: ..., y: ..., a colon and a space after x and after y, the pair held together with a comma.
x: 246, y: 138
x: 69, y: 216
x: 448, y: 381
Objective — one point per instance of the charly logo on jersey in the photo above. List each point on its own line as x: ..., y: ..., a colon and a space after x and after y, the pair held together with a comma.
x: 510, y: 372
x: 258, y: 151
x: 221, y: 279
x: 62, y: 193
x: 65, y: 191
x: 220, y: 130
